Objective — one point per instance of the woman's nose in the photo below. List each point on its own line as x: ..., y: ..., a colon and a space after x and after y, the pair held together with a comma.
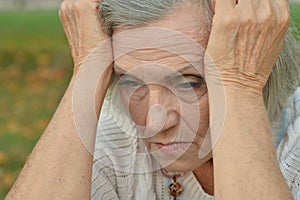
x: 155, y: 120
x: 162, y: 112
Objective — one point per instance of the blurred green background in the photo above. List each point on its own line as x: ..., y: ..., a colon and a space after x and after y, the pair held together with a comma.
x: 35, y: 66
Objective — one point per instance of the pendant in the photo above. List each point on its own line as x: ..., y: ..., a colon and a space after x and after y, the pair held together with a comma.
x: 175, y: 188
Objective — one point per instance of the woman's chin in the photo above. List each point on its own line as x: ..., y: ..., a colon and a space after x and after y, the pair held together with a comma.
x: 184, y: 165
x: 180, y: 166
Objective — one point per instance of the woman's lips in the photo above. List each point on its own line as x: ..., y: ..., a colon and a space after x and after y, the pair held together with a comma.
x: 172, y: 147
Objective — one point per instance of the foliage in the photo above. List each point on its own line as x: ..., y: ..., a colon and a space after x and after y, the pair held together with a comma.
x: 35, y: 69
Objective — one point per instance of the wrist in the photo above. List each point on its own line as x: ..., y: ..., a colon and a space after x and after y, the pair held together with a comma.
x: 235, y: 107
x: 234, y: 80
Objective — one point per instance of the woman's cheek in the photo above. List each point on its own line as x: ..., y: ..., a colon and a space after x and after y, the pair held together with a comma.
x: 204, y: 116
x: 138, y: 114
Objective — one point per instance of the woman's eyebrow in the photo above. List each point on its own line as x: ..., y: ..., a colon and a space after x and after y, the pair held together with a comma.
x: 120, y: 71
x: 123, y: 73
x: 181, y: 71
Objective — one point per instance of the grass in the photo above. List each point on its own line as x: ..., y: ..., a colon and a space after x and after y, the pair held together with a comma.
x: 295, y: 15
x: 35, y: 68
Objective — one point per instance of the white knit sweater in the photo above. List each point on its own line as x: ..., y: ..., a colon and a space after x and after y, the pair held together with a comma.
x: 116, y: 156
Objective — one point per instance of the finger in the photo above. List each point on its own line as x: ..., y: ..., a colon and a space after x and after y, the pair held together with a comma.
x: 67, y: 18
x: 281, y: 10
x: 224, y: 5
x: 247, y: 10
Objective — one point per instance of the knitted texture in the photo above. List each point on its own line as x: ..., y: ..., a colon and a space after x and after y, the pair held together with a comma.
x: 288, y: 151
x: 116, y: 159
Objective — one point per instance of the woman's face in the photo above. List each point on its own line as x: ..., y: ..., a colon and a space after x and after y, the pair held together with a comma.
x: 161, y: 83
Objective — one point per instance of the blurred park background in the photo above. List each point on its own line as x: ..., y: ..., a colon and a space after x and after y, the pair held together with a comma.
x: 35, y: 67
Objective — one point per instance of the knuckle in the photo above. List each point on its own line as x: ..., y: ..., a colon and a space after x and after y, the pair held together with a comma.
x: 60, y: 14
x: 230, y: 21
x: 286, y: 18
x: 248, y: 20
x: 63, y: 6
x: 266, y: 18
x: 284, y: 21
x: 78, y: 6
x: 283, y: 17
x: 268, y: 13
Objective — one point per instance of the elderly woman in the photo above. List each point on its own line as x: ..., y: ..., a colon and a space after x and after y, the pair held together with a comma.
x: 184, y: 115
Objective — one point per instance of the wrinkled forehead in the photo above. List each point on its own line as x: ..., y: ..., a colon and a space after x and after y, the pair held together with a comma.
x: 156, y: 48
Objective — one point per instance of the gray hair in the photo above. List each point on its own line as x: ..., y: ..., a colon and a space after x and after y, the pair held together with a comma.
x: 138, y: 13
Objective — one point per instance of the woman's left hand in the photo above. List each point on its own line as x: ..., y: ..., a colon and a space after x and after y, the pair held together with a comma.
x: 245, y: 41
x: 83, y: 28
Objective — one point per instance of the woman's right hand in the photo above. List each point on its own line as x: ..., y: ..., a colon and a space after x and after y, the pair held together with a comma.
x: 92, y: 54
x: 82, y: 26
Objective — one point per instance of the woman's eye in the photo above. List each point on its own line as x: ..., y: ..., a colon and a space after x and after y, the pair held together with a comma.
x: 187, y: 82
x: 190, y: 85
x: 191, y: 88
x: 130, y: 83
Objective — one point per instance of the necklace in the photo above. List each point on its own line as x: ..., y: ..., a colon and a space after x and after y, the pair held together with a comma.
x: 175, y: 188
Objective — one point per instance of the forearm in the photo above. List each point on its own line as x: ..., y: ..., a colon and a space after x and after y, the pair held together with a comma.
x: 245, y: 165
x: 60, y: 165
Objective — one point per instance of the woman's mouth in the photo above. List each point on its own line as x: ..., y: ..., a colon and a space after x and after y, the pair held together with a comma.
x: 172, y: 147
